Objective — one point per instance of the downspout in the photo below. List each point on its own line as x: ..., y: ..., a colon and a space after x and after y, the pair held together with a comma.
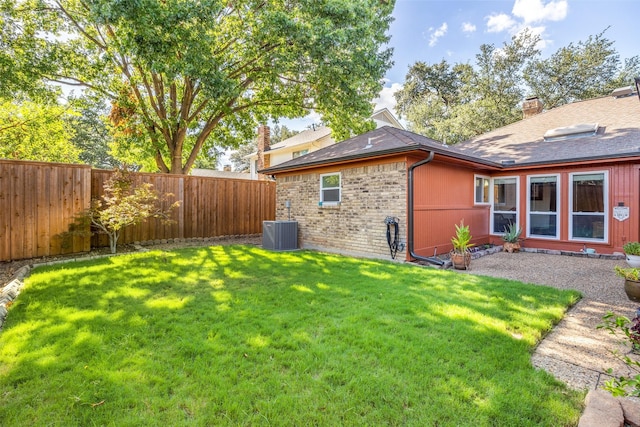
x: 432, y: 260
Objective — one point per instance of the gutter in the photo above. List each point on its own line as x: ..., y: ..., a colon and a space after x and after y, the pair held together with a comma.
x: 432, y: 260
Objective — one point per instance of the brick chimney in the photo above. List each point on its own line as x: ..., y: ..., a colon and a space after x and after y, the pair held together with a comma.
x: 531, y: 106
x: 264, y: 144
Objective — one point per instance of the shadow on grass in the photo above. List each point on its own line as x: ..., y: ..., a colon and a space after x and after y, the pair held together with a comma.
x: 239, y: 335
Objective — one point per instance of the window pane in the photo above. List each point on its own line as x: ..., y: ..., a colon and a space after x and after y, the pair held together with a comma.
x: 482, y: 190
x: 588, y: 226
x: 542, y: 194
x: 543, y: 224
x: 588, y: 193
x: 331, y: 195
x: 504, y: 194
x: 501, y: 221
x: 331, y: 181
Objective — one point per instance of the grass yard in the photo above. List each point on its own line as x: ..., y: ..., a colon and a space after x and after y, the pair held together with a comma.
x: 236, y: 335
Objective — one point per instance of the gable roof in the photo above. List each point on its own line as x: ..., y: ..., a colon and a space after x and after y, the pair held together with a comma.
x: 307, y: 135
x: 523, y: 143
x: 519, y: 144
x: 378, y: 142
x: 385, y: 116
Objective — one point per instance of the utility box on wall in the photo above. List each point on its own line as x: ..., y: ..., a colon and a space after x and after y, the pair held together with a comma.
x: 280, y: 235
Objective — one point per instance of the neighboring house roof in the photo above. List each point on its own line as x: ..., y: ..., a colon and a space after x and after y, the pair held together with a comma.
x: 219, y: 174
x: 523, y: 142
x: 304, y: 137
x: 385, y: 116
x: 382, y: 141
x: 519, y: 144
x: 307, y: 136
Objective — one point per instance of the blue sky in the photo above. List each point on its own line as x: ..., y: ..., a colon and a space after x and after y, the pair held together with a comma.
x: 433, y: 30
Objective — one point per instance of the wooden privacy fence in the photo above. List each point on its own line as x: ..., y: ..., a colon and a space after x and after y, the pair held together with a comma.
x: 40, y: 200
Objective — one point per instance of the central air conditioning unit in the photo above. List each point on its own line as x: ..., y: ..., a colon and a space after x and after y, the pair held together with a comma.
x: 280, y: 235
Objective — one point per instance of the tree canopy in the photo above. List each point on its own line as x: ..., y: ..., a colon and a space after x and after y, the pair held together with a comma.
x: 36, y: 131
x: 452, y: 103
x: 185, y: 76
x: 579, y: 71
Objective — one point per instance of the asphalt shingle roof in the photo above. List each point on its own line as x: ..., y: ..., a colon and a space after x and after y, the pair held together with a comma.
x: 522, y: 142
x: 518, y: 144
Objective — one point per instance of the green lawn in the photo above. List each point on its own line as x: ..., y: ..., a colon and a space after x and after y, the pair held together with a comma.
x: 236, y: 335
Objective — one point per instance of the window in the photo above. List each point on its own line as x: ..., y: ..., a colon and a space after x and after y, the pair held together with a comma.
x: 330, y: 189
x: 481, y: 190
x: 588, y: 203
x: 505, y: 204
x: 297, y: 154
x: 542, y: 204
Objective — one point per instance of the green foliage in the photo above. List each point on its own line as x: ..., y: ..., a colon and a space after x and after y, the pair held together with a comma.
x: 35, y: 131
x: 237, y: 335
x: 461, y: 240
x: 631, y: 248
x: 512, y: 233
x: 92, y: 133
x: 239, y: 157
x: 454, y: 103
x: 628, y: 273
x: 578, y: 71
x: 185, y: 76
x: 124, y: 204
x: 624, y: 385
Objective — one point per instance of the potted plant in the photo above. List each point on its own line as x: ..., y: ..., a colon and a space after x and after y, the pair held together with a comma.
x: 631, y: 278
x: 511, y: 238
x: 632, y: 251
x: 461, y: 241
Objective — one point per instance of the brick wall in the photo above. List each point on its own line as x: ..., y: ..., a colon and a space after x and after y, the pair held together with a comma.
x: 355, y: 227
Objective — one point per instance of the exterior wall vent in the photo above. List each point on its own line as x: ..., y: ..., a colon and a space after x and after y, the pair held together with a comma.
x: 582, y: 129
x: 280, y: 235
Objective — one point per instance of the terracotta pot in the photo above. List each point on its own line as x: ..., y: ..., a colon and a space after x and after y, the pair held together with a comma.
x: 460, y: 261
x: 511, y: 247
x: 632, y: 288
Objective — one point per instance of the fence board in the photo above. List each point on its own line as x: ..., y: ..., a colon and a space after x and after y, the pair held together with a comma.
x: 39, y: 201
x: 35, y: 209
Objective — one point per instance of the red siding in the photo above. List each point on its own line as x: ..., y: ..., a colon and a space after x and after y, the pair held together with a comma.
x: 443, y: 196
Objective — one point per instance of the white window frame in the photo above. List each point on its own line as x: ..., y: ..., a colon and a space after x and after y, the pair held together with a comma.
x: 339, y: 187
x: 299, y: 153
x: 558, y: 207
x: 492, y: 198
x: 605, y: 214
x: 488, y: 180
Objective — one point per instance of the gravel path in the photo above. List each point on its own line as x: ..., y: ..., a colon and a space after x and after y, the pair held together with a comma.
x: 574, y: 351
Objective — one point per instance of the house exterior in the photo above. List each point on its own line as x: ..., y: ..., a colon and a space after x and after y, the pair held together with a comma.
x: 570, y: 177
x: 307, y: 141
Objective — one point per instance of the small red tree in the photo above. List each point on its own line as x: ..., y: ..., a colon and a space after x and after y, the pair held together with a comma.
x: 124, y: 204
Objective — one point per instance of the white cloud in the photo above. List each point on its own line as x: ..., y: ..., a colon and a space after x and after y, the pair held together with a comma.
x: 500, y: 22
x: 468, y: 27
x: 437, y: 33
x: 536, y: 11
x: 386, y: 98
